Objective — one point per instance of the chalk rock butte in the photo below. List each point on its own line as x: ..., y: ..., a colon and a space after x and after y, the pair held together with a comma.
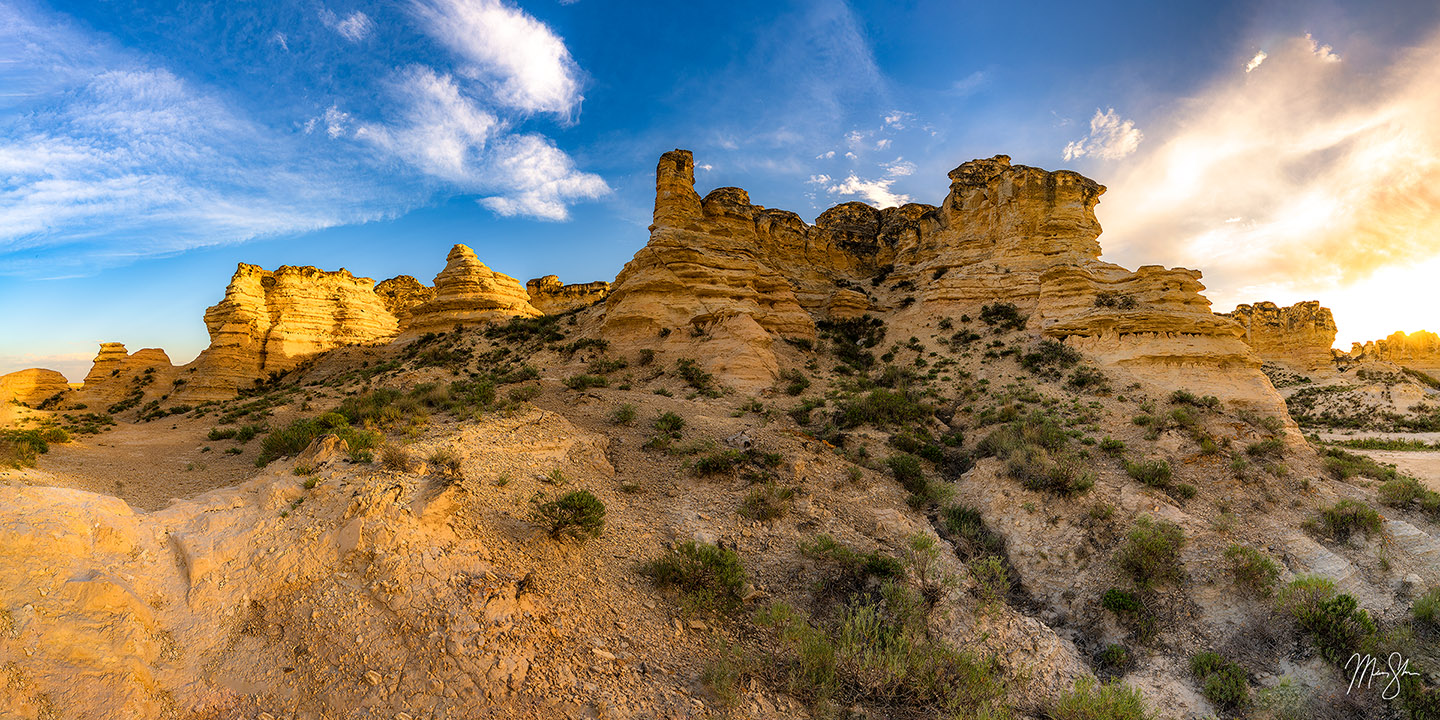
x: 1004, y: 233
x: 401, y: 293
x: 1298, y: 336
x: 269, y: 321
x: 32, y: 386
x: 553, y: 297
x: 1419, y: 350
x: 467, y: 292
x: 117, y: 373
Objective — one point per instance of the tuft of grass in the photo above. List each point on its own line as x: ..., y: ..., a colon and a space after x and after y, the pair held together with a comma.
x: 1090, y: 700
x: 1185, y: 397
x: 295, y: 437
x: 623, y: 415
x: 1121, y: 602
x: 766, y: 502
x: 1426, y: 608
x: 715, y: 463
x: 1154, y: 473
x: 577, y: 515
x: 702, y: 381
x: 1003, y: 316
x: 1268, y: 448
x: 1111, y: 445
x: 1151, y: 552
x: 585, y: 382
x: 795, y: 382
x: 445, y: 462
x: 397, y: 458
x: 1049, y: 358
x: 1347, y: 517
x: 707, y: 577
x: 670, y: 424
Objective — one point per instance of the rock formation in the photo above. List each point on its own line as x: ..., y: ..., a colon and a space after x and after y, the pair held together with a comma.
x: 32, y: 386
x: 117, y: 373
x: 1418, y: 350
x: 1298, y: 336
x: 269, y: 321
x: 467, y: 292
x: 552, y: 297
x: 1005, y: 233
x: 401, y: 293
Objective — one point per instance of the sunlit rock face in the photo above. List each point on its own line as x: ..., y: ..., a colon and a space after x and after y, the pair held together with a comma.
x: 1298, y: 336
x: 117, y: 373
x: 1004, y: 233
x: 553, y: 297
x: 1419, y: 350
x: 270, y: 320
x: 401, y: 293
x: 466, y: 293
x: 32, y: 386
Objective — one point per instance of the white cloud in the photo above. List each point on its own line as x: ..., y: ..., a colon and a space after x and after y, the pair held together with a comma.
x: 1306, y: 180
x: 897, y: 119
x: 1255, y: 61
x: 706, y: 167
x: 280, y: 39
x: 1110, y: 138
x: 353, y: 27
x: 854, y: 138
x: 539, y: 179
x: 825, y: 155
x: 882, y: 143
x: 335, y: 122
x: 970, y: 83
x: 526, y: 64
x: 877, y: 192
x: 443, y: 131
x: 852, y: 156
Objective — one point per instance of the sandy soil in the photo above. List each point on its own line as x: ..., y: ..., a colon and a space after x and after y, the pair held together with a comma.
x: 143, y: 467
x: 1424, y: 465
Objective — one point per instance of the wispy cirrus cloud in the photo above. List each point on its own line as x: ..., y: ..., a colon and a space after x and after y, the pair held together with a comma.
x: 1299, y: 178
x: 354, y: 27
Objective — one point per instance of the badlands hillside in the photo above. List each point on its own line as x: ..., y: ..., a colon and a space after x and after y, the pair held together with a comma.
x: 919, y: 462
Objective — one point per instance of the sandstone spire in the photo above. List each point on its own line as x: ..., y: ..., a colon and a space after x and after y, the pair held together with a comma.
x: 468, y: 292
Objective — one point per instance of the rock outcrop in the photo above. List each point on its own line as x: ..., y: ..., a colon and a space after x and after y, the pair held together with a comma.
x: 1298, y: 336
x: 33, y: 386
x: 117, y: 373
x: 466, y: 293
x: 1418, y: 350
x: 553, y: 297
x: 1004, y: 233
x: 270, y: 320
x: 401, y: 293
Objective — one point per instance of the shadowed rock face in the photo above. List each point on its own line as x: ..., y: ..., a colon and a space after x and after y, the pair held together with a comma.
x: 1298, y: 336
x: 401, y: 293
x: 467, y: 292
x: 553, y: 297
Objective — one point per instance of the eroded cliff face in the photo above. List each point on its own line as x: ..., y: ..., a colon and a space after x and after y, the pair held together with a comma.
x: 270, y: 320
x: 401, y: 293
x: 32, y: 386
x: 466, y: 293
x: 1298, y: 336
x: 1419, y: 350
x: 1004, y: 233
x: 553, y: 297
x: 118, y: 374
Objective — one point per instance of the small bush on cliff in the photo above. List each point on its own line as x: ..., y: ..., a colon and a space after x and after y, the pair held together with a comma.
x: 1222, y: 682
x: 853, y: 339
x: 1035, y: 450
x: 1252, y: 569
x: 766, y: 502
x: 1427, y: 608
x: 1154, y: 473
x: 702, y: 381
x: 1003, y: 316
x: 577, y: 515
x: 1346, y: 517
x: 21, y: 448
x: 585, y: 382
x: 882, y: 408
x: 1151, y: 552
x: 295, y: 437
x: 1090, y: 700
x: 1343, y: 465
x: 1049, y: 358
x: 1119, y: 301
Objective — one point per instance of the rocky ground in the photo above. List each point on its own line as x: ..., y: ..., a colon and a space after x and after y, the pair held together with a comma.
x: 326, y: 586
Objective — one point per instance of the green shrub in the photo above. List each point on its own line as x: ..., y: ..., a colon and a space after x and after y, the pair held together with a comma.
x: 1222, y: 682
x: 707, y: 577
x: 722, y: 461
x: 295, y: 437
x: 1111, y: 445
x: 1093, y: 701
x: 577, y: 515
x: 992, y: 580
x: 623, y: 415
x: 702, y: 381
x: 1427, y: 608
x: 907, y: 471
x: 766, y: 502
x: 1155, y: 473
x: 219, y: 434
x: 1049, y: 357
x: 1271, y: 448
x: 795, y: 382
x: 882, y: 408
x: 1121, y: 602
x: 1088, y: 378
x: 1252, y: 569
x: 1113, y: 657
x: 524, y: 393
x: 670, y: 424
x: 1345, y: 517
x: 1185, y: 397
x: 1151, y: 552
x: 1003, y: 315
x: 585, y: 382
x: 1337, y: 626
x: 967, y: 529
x: 1344, y: 465
x: 1038, y: 469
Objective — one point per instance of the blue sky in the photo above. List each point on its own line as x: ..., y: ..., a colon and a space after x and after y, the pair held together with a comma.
x: 1284, y: 148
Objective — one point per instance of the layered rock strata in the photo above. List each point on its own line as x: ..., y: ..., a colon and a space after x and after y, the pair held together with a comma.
x: 1004, y: 233
x: 466, y: 293
x: 553, y: 297
x: 401, y: 293
x: 1299, y: 336
x: 1419, y: 350
x: 32, y: 386
x: 118, y: 373
x: 270, y: 320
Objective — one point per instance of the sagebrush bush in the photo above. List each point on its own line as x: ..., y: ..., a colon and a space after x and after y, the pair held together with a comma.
x: 1048, y: 358
x: 577, y: 515
x: 1154, y: 473
x: 1347, y: 517
x: 446, y: 463
x: 720, y: 461
x: 882, y: 408
x: 1222, y: 682
x: 766, y: 502
x: 1252, y: 569
x: 967, y: 528
x: 1121, y: 602
x: 623, y: 415
x: 1426, y: 608
x: 585, y: 382
x: 397, y: 458
x: 1151, y: 552
x: 707, y: 577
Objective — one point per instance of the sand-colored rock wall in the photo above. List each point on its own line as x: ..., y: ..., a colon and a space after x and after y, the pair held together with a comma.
x: 553, y: 297
x: 466, y: 293
x: 32, y: 386
x: 1299, y: 336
